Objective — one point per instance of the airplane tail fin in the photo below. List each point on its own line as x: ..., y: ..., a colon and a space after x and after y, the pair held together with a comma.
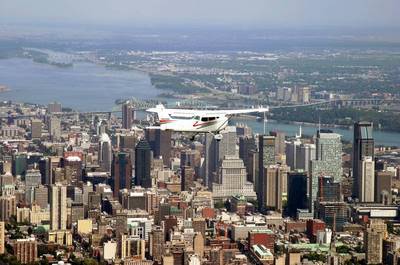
x: 161, y: 112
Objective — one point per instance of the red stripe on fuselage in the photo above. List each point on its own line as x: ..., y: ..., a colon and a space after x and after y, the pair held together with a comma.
x: 166, y: 121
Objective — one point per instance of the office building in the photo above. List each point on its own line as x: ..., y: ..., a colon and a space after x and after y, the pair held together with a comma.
x: 143, y: 164
x: 334, y: 214
x: 54, y: 126
x: 25, y: 250
x: 297, y: 192
x: 328, y: 162
x: 373, y: 236
x: 363, y: 146
x: 304, y: 154
x: 328, y: 190
x: 304, y: 95
x: 8, y: 207
x: 266, y: 157
x: 126, y: 141
x: 121, y: 172
x: 157, y: 244
x: 383, y: 187
x: 2, y: 238
x: 187, y: 178
x: 198, y: 244
x: 41, y: 196
x: 247, y: 147
x: 105, y: 152
x: 127, y: 116
x: 160, y: 144
x: 54, y: 107
x: 292, y: 151
x: 272, y: 189
x: 19, y: 164
x: 36, y: 129
x: 231, y: 180
x: 215, y: 151
x: 263, y: 237
x: 58, y: 207
x: 366, y: 180
x: 33, y: 178
x: 131, y: 246
x: 45, y: 170
x: 280, y: 145
x: 7, y: 185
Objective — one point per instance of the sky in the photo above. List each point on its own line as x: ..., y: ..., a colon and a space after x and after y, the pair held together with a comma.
x: 234, y: 13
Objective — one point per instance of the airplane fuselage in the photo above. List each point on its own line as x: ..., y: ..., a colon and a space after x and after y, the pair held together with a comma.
x: 195, y: 124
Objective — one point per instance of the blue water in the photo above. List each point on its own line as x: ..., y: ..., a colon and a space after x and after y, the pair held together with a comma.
x: 90, y: 87
x: 84, y: 87
x: 381, y: 137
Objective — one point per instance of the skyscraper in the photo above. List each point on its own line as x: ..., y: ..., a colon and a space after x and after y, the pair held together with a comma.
x: 33, y: 178
x: 215, y: 151
x: 19, y: 164
x: 121, y: 172
x: 247, y: 146
x: 127, y: 116
x: 231, y: 180
x: 328, y: 161
x: 328, y: 189
x: 2, y: 239
x: 266, y: 157
x: 305, y: 153
x: 297, y: 192
x: 187, y: 178
x: 366, y: 174
x: 292, y: 150
x: 54, y: 126
x: 280, y: 145
x: 272, y: 189
x: 44, y: 167
x: 383, y: 187
x: 105, y: 152
x: 160, y: 144
x: 363, y: 146
x: 36, y: 129
x: 54, y: 107
x: 143, y: 164
x: 58, y: 207
x: 374, y: 234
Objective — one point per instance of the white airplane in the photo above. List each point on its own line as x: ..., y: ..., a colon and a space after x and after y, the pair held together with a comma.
x: 197, y: 121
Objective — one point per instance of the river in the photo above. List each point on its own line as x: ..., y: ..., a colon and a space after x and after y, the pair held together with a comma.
x: 91, y: 87
x: 381, y: 137
x: 83, y: 87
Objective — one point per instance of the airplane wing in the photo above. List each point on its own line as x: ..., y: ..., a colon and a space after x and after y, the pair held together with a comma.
x: 244, y: 111
x: 191, y: 112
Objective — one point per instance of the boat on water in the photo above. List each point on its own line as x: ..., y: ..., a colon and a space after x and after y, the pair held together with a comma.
x: 3, y: 88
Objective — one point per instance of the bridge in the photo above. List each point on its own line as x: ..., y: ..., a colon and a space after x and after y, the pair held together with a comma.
x: 343, y: 103
x: 145, y: 104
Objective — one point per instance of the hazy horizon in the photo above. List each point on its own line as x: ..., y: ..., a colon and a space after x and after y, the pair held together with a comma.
x: 258, y: 14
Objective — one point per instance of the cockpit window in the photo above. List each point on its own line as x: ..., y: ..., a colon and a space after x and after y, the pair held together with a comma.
x: 197, y: 118
x: 211, y: 118
x: 204, y: 119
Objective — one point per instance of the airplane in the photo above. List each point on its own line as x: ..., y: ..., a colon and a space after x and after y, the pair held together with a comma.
x: 197, y: 121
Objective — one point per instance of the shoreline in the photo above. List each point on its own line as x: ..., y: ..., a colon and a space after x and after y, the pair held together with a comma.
x: 308, y: 124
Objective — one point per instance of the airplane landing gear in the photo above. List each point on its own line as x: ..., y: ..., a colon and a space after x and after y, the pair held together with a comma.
x: 218, y: 137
